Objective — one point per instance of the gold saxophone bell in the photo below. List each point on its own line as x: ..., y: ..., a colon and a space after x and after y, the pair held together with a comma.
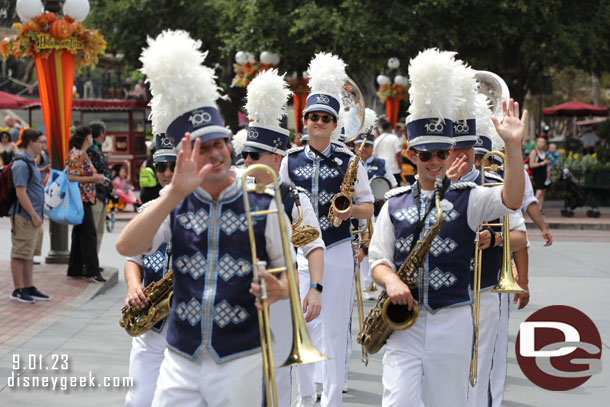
x: 302, y: 235
x: 506, y: 282
x: 302, y: 350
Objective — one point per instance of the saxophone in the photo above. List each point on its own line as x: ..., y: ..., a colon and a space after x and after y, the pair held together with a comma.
x: 305, y: 234
x: 386, y: 317
x: 342, y: 201
x: 136, y: 321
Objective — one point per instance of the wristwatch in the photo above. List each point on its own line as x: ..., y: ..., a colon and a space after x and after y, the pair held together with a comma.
x: 317, y: 287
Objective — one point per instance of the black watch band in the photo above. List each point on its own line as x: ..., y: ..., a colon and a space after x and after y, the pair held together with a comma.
x: 365, y: 250
x: 317, y: 287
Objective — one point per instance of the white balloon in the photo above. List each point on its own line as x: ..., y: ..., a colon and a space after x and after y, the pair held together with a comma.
x: 305, y: 75
x: 250, y: 57
x: 276, y: 59
x: 28, y: 9
x: 266, y: 58
x: 393, y: 63
x: 241, y: 57
x: 383, y: 80
x: 77, y: 9
x: 400, y: 80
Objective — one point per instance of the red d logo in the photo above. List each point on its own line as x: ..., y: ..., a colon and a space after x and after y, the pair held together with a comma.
x: 559, y: 348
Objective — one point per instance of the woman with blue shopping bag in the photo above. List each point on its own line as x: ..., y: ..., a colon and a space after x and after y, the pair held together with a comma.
x: 83, y: 251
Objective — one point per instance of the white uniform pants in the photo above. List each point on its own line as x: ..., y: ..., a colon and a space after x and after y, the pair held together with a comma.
x: 498, y: 368
x: 281, y: 327
x: 489, y: 318
x: 144, y: 363
x: 202, y: 382
x: 430, y: 362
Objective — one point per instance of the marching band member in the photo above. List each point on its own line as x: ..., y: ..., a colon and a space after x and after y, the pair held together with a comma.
x: 474, y: 105
x: 418, y: 359
x: 212, y: 335
x: 318, y: 168
x: 147, y: 349
x: 266, y: 144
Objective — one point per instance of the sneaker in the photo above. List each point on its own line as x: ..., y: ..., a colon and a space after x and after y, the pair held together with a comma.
x: 98, y: 279
x: 37, y: 295
x: 307, y: 401
x: 345, y: 388
x: 21, y: 295
x: 76, y: 276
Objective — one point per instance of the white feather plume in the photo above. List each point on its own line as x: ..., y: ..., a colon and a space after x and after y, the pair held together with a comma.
x: 267, y: 97
x: 178, y: 81
x: 432, y: 93
x: 370, y: 119
x: 336, y: 134
x: 238, y: 141
x: 327, y: 73
x: 466, y: 91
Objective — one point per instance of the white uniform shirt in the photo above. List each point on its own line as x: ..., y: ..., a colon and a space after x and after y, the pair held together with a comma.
x: 484, y: 204
x: 386, y: 146
x: 528, y: 193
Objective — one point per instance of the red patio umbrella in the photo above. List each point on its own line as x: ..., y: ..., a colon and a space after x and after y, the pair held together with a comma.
x: 10, y: 101
x: 575, y: 108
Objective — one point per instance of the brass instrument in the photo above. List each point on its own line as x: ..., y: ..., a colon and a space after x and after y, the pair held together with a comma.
x: 386, y: 317
x: 358, y: 241
x: 303, y: 350
x: 496, y: 90
x: 136, y: 321
x: 506, y: 283
x: 342, y: 201
x: 302, y: 235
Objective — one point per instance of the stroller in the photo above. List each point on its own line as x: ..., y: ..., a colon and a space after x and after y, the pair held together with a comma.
x: 575, y: 196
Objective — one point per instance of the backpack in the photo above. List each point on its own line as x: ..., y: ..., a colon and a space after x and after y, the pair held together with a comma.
x: 8, y: 193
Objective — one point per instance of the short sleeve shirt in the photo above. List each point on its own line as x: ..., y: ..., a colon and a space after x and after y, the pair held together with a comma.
x: 33, y: 184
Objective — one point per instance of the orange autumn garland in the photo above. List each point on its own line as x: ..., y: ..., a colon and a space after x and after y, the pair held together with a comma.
x: 45, y: 33
x: 392, y: 91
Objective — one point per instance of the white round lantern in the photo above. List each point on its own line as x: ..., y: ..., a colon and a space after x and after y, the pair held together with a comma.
x: 305, y: 75
x: 77, y: 9
x: 28, y: 9
x: 276, y: 59
x: 266, y: 58
x: 383, y: 80
x: 400, y: 80
x: 393, y: 63
x: 250, y: 57
x: 241, y: 57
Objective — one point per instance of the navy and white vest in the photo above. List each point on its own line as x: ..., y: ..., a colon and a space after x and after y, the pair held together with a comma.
x: 448, y: 264
x: 375, y: 168
x: 321, y: 183
x: 491, y: 260
x: 212, y: 264
x: 154, y: 267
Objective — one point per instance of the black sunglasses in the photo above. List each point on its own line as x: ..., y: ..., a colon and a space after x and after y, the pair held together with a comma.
x: 161, y: 167
x: 254, y: 154
x: 426, y: 156
x: 325, y: 119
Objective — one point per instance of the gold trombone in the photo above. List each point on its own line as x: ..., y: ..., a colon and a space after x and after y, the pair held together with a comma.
x: 506, y: 282
x: 303, y: 350
x: 357, y: 241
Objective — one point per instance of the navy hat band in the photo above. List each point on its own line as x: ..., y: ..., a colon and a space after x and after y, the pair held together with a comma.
x: 322, y: 102
x: 269, y: 138
x: 430, y: 133
x: 204, y: 122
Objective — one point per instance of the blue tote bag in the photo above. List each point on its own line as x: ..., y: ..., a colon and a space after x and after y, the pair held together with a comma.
x: 62, y: 201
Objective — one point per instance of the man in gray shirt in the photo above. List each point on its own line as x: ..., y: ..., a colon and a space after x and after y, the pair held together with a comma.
x: 26, y: 218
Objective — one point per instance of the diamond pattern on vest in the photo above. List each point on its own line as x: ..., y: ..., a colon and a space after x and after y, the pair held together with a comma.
x: 305, y: 172
x: 440, y: 246
x: 324, y: 222
x: 154, y: 262
x: 228, y: 267
x: 198, y: 221
x: 225, y: 313
x: 448, y: 216
x: 190, y: 311
x: 326, y: 172
x: 195, y: 265
x: 324, y: 197
x: 403, y: 244
x: 439, y: 279
x: 230, y: 222
x: 410, y: 215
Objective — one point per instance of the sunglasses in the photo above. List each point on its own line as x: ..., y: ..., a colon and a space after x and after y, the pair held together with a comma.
x: 325, y: 119
x: 426, y: 156
x: 161, y: 167
x: 255, y: 155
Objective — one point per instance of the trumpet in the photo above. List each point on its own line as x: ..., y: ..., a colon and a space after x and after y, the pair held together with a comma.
x: 506, y: 282
x: 358, y: 241
x: 302, y: 350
